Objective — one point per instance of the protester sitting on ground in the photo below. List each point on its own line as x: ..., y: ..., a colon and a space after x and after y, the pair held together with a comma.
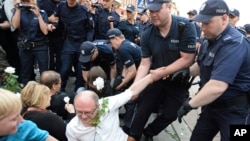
x: 13, y: 127
x: 96, y: 76
x: 97, y: 119
x: 35, y: 99
x: 52, y: 79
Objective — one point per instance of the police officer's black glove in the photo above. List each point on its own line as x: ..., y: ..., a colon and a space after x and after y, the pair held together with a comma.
x: 180, y: 75
x: 118, y: 81
x: 184, y: 109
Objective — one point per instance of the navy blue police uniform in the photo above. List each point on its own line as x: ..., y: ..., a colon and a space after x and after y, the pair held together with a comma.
x: 225, y: 58
x: 36, y: 44
x: 130, y: 31
x: 78, y: 27
x: 55, y: 37
x: 102, y: 24
x: 105, y: 58
x: 129, y: 54
x: 163, y: 51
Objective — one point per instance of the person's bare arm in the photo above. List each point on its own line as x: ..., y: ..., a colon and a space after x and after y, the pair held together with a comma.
x: 4, y: 25
x: 209, y: 92
x: 140, y: 85
x: 51, y: 138
x: 184, y: 61
x: 194, y: 69
x: 128, y: 76
x: 143, y: 68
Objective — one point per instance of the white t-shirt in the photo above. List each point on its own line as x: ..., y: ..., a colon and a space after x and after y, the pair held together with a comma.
x: 109, y: 127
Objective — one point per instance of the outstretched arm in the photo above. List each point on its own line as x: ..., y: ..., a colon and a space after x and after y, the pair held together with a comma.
x: 140, y: 85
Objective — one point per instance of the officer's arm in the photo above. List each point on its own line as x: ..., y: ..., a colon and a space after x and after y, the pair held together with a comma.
x: 53, y: 19
x: 209, y: 92
x: 184, y: 61
x: 143, y: 68
x: 85, y: 75
x: 16, y: 18
x: 128, y: 74
x: 194, y: 70
x: 112, y: 71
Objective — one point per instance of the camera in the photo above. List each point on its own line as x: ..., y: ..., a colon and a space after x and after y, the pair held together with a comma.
x: 97, y: 5
x: 24, y: 45
x: 24, y: 6
x: 111, y: 19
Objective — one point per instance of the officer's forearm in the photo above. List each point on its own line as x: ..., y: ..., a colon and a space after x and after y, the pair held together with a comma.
x: 194, y: 69
x: 43, y: 25
x: 16, y: 18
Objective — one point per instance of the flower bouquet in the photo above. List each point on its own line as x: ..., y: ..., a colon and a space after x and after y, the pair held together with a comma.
x: 10, y: 81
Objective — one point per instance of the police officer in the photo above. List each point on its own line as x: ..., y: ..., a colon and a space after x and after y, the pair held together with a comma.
x: 129, y: 27
x: 105, y: 18
x: 247, y: 29
x: 55, y: 37
x: 33, y: 27
x: 191, y: 13
x: 166, y: 48
x: 234, y: 17
x: 223, y: 61
x: 78, y: 27
x: 97, y: 54
x: 144, y: 21
x: 130, y: 56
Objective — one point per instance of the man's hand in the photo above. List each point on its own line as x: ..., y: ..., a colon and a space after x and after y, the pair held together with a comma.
x: 184, y: 109
x: 180, y: 75
x: 158, y: 74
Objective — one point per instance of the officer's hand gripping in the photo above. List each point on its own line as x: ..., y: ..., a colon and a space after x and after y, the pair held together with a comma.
x: 184, y: 109
x: 180, y: 75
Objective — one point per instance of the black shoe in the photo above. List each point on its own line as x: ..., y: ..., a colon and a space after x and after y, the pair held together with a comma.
x: 146, y: 138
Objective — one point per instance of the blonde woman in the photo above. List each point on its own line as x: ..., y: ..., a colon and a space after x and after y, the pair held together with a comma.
x: 13, y: 127
x: 36, y: 98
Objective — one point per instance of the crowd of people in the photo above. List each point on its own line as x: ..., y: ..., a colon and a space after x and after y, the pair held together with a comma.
x: 145, y: 63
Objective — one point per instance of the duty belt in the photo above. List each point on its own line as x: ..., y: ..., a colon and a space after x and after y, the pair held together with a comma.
x: 39, y: 43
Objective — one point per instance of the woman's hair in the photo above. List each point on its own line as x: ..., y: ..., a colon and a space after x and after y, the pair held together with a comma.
x: 50, y: 78
x: 94, y: 72
x: 35, y: 95
x: 9, y: 103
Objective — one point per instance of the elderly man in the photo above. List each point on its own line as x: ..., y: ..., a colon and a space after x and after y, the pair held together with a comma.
x: 97, y: 119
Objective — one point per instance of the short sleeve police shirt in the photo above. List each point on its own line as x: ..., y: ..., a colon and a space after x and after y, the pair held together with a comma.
x: 129, y: 53
x: 166, y: 50
x: 227, y: 59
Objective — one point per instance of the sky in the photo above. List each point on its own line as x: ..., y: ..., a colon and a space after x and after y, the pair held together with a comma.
x: 242, y: 5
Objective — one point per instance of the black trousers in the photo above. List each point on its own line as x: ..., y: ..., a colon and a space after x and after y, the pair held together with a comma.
x: 169, y: 96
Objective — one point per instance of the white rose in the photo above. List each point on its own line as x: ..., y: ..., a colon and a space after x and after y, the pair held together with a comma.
x: 66, y: 99
x: 99, y: 83
x: 10, y: 70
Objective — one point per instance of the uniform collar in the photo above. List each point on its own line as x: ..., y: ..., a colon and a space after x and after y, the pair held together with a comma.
x: 213, y: 40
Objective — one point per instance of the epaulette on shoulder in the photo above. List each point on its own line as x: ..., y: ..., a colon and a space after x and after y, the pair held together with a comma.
x: 227, y: 38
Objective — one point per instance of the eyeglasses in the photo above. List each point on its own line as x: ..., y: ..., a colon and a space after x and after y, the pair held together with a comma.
x: 87, y: 113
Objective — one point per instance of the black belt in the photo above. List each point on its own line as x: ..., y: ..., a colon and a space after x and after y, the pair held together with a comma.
x: 240, y: 100
x: 34, y: 44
